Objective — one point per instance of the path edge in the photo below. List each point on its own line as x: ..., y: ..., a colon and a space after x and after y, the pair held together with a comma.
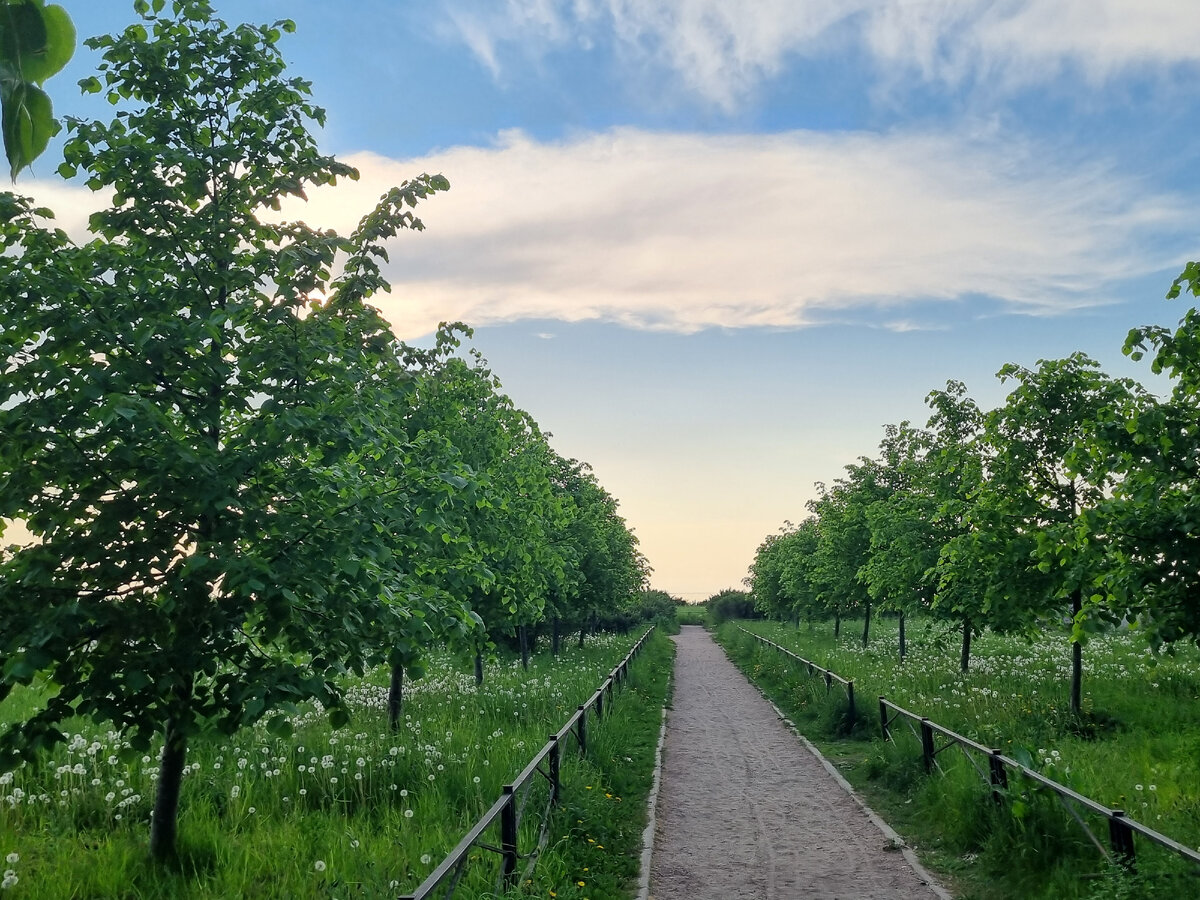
x: 643, y: 889
x: 888, y: 831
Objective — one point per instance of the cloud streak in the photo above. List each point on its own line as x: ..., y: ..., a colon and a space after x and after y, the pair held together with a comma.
x: 721, y: 51
x: 682, y: 232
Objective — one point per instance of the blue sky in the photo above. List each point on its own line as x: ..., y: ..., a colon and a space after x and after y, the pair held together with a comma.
x: 714, y: 246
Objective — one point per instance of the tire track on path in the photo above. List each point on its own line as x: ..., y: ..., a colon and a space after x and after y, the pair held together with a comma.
x: 746, y: 811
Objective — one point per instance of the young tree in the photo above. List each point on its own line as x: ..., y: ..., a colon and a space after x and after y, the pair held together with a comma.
x: 182, y: 424
x: 1149, y: 524
x: 1041, y: 486
x: 904, y: 543
x: 955, y: 468
x: 845, y: 540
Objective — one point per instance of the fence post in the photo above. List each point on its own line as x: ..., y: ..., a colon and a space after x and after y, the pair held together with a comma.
x: 600, y: 703
x: 1120, y: 836
x: 555, y: 765
x: 853, y: 708
x: 887, y: 736
x: 927, y: 749
x: 508, y: 837
x: 828, y: 682
x: 581, y: 731
x: 999, y: 776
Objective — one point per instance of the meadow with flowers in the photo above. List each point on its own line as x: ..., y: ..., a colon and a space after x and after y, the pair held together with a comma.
x: 1137, y: 748
x: 361, y: 811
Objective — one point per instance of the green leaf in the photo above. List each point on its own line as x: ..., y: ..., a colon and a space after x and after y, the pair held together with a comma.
x: 280, y: 726
x: 56, y: 50
x: 28, y: 124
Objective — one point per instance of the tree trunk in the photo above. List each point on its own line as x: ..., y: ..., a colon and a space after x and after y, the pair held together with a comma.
x: 555, y: 637
x: 395, y: 697
x: 837, y: 624
x: 165, y: 822
x: 903, y: 643
x: 867, y: 626
x: 965, y: 660
x: 582, y: 632
x: 523, y: 639
x: 478, y: 669
x: 1076, y: 659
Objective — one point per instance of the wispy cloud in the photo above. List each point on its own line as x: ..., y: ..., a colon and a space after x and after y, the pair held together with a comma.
x: 721, y: 51
x: 683, y: 232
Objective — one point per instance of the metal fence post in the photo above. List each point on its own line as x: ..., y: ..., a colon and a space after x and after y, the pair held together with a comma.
x: 853, y: 708
x: 600, y: 703
x: 508, y: 836
x: 828, y: 682
x: 555, y: 765
x: 883, y: 717
x: 999, y: 776
x: 581, y: 731
x: 1120, y: 836
x: 927, y: 749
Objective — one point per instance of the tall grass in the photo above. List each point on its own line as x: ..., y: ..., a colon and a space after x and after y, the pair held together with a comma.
x: 358, y: 812
x: 1136, y: 747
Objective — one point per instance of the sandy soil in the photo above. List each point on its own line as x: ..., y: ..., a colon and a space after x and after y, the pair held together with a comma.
x: 746, y: 811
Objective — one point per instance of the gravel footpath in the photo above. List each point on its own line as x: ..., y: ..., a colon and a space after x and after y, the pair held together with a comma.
x: 746, y: 811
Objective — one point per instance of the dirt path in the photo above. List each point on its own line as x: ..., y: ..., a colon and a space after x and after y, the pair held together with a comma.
x: 746, y: 811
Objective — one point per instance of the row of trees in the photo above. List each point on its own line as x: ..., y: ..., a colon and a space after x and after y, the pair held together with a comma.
x: 1074, y: 504
x: 241, y: 486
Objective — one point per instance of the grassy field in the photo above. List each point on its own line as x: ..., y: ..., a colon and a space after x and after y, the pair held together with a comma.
x: 1137, y: 747
x: 359, y: 812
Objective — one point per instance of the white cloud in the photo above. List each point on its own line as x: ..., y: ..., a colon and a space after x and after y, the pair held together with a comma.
x: 684, y: 232
x: 722, y: 50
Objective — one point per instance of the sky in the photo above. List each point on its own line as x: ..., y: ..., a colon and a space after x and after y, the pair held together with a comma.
x: 713, y: 247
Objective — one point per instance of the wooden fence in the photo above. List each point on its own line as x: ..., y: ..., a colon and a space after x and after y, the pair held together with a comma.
x: 830, y: 677
x: 508, y: 812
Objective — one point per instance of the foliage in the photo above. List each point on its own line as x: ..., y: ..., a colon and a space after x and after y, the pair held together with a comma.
x: 731, y: 604
x: 185, y: 425
x: 36, y: 41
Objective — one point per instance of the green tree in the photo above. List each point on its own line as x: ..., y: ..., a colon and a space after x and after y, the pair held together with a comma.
x: 1149, y: 523
x: 1040, y: 488
x: 36, y: 41
x: 955, y: 465
x: 904, y: 540
x: 843, y: 548
x: 182, y: 423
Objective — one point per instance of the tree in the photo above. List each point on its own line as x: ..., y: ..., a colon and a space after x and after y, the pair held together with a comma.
x: 184, y: 424
x: 1041, y: 485
x: 904, y: 541
x: 1148, y: 525
x: 845, y: 539
x: 766, y: 580
x: 509, y: 523
x: 36, y: 41
x: 955, y: 468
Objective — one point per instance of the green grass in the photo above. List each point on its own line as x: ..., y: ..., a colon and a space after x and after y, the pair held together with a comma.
x: 358, y: 812
x: 1136, y: 747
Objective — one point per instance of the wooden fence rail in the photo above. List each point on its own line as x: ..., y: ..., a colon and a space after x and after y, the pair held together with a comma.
x: 829, y: 676
x: 994, y: 768
x: 508, y: 811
